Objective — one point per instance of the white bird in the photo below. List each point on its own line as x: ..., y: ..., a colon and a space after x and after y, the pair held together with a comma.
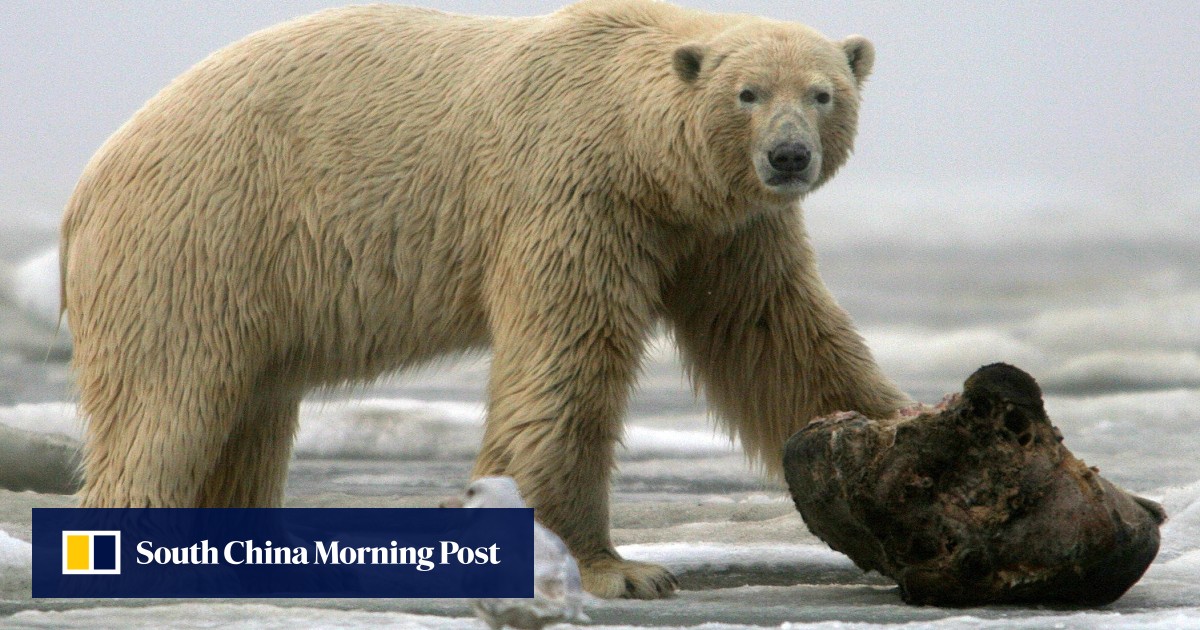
x: 558, y: 594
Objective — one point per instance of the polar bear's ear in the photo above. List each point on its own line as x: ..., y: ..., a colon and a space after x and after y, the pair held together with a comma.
x: 860, y: 54
x: 688, y: 60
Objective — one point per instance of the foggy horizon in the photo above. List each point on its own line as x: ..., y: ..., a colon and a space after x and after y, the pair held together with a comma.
x: 1029, y: 120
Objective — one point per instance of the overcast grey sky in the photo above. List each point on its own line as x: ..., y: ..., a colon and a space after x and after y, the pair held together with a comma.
x: 1032, y: 118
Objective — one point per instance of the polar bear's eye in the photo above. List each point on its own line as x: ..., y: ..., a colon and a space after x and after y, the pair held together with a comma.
x: 747, y: 96
x: 824, y: 97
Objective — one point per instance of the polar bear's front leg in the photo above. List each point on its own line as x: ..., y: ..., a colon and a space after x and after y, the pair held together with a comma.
x: 562, y: 369
x: 767, y: 342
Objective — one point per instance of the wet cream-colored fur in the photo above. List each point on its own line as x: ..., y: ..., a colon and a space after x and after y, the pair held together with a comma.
x: 369, y: 188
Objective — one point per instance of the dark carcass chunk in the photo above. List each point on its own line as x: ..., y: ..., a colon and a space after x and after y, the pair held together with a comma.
x: 974, y: 501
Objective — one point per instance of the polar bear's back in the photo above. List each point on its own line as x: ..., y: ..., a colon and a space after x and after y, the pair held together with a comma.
x: 288, y: 187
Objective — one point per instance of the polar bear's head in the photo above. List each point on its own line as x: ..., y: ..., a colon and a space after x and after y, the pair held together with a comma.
x: 778, y: 105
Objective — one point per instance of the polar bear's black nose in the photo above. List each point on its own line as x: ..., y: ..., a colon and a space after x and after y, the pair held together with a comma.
x: 789, y: 157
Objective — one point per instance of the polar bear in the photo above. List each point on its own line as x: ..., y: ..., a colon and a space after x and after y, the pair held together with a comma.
x: 368, y: 188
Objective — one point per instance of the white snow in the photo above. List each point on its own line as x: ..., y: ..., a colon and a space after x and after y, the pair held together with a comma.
x: 691, y: 556
x: 1147, y: 344
x: 234, y: 616
x: 35, y: 287
x: 14, y: 552
x: 379, y: 428
x: 55, y: 418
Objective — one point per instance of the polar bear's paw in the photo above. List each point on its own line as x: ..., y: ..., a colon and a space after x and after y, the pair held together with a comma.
x: 611, y: 577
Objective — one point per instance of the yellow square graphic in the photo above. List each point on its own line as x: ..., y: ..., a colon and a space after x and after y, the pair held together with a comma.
x: 78, y: 553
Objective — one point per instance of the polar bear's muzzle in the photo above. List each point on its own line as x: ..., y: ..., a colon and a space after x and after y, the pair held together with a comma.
x: 788, y: 154
x: 788, y: 167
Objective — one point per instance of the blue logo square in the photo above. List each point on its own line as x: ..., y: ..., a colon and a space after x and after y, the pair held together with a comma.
x: 104, y: 552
